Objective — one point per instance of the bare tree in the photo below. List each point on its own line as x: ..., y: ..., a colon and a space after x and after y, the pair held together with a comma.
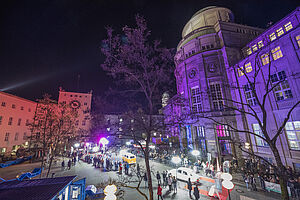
x: 140, y: 66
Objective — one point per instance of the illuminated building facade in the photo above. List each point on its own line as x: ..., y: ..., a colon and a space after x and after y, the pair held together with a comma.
x: 210, y: 44
x: 15, y: 115
x: 82, y: 103
x: 277, y: 49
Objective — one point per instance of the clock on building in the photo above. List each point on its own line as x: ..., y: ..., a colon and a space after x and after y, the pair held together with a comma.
x: 75, y: 104
x: 192, y: 73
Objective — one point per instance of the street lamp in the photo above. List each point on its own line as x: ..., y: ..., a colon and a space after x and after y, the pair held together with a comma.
x: 195, y: 153
x: 76, y: 145
x: 104, y: 142
x: 176, y: 160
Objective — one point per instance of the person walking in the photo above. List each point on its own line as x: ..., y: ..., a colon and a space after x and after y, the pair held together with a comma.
x: 164, y: 179
x: 138, y: 170
x: 190, y: 187
x: 145, y: 179
x: 170, y: 183
x: 247, y: 181
x: 159, y: 192
x: 196, y: 193
x: 63, y: 165
x: 69, y: 164
x: 174, y: 182
x: 158, y: 178
x: 262, y: 182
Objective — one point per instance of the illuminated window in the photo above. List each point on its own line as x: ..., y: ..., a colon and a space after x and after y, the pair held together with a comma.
x: 276, y: 53
x: 216, y: 96
x: 259, y: 141
x: 249, y: 94
x: 254, y: 47
x: 249, y: 51
x: 260, y: 44
x: 6, y: 137
x: 196, y: 100
x: 248, y: 67
x: 282, y: 89
x: 222, y: 131
x: 241, y: 71
x: 1, y: 120
x: 280, y: 32
x: 293, y: 134
x: 272, y: 36
x: 265, y: 59
x: 10, y: 121
x: 288, y: 26
x: 298, y: 40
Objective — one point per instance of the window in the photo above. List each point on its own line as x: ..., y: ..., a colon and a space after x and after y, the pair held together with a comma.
x: 16, y: 136
x: 71, y: 95
x: 216, y: 96
x: 196, y: 100
x: 248, y: 67
x: 293, y: 134
x: 22, y: 108
x: 282, y: 90
x: 75, y: 95
x: 10, y: 121
x: 249, y: 94
x: 265, y: 59
x: 83, y: 123
x: 279, y: 32
x: 13, y: 106
x: 276, y: 53
x: 260, y: 44
x: 25, y: 136
x: 222, y: 131
x: 200, y: 130
x: 249, y: 51
x: 241, y: 71
x: 6, y: 137
x: 29, y: 110
x: 85, y: 103
x: 1, y: 120
x: 77, y: 122
x: 272, y: 37
x: 27, y: 122
x: 298, y: 40
x: 259, y: 141
x: 288, y: 26
x: 3, y: 104
x: 254, y: 48
x: 19, y: 121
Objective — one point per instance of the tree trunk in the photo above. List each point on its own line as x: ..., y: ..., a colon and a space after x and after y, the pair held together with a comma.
x: 150, y: 187
x: 282, y: 175
x: 50, y: 164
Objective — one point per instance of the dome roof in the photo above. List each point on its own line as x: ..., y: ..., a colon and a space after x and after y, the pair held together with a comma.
x: 207, y: 17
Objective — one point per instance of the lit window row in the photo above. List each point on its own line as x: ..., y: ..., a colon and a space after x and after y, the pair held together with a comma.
x: 248, y: 69
x: 10, y: 121
x: 280, y: 31
x: 255, y: 47
x: 6, y: 138
x: 276, y: 54
x: 3, y: 104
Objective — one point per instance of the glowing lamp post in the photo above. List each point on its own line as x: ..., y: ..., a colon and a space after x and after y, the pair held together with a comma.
x: 76, y: 145
x: 176, y: 160
x: 109, y: 192
x: 195, y: 153
x: 227, y: 182
x: 104, y: 142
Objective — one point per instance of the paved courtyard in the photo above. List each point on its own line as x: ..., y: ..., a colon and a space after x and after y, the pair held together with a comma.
x: 94, y: 176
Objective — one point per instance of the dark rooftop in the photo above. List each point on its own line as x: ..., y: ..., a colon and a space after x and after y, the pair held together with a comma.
x: 35, y: 189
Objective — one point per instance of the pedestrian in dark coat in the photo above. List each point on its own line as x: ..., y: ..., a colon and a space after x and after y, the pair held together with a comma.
x: 164, y: 178
x: 145, y: 179
x: 69, y: 164
x: 158, y: 178
x: 190, y: 187
x: 196, y: 193
x: 63, y: 165
x: 174, y: 183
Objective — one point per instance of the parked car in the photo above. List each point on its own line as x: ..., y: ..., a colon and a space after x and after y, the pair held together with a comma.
x: 184, y: 174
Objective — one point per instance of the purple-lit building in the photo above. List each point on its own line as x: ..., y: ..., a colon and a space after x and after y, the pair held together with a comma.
x: 275, y: 57
x: 211, y: 43
x: 212, y: 61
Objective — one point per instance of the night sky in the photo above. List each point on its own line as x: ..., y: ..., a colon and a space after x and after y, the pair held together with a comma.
x: 47, y: 44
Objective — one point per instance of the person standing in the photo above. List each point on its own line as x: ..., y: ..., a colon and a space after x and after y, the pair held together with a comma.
x: 174, y: 182
x: 145, y: 179
x: 164, y: 178
x: 63, y: 165
x: 158, y: 178
x: 190, y: 187
x: 170, y: 183
x: 196, y: 193
x: 69, y: 164
x: 159, y: 192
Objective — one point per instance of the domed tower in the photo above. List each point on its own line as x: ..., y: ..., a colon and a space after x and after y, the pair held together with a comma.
x: 211, y: 43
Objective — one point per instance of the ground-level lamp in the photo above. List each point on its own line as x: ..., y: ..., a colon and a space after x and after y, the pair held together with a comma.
x: 109, y: 192
x: 104, y: 142
x: 227, y: 183
x: 176, y: 160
